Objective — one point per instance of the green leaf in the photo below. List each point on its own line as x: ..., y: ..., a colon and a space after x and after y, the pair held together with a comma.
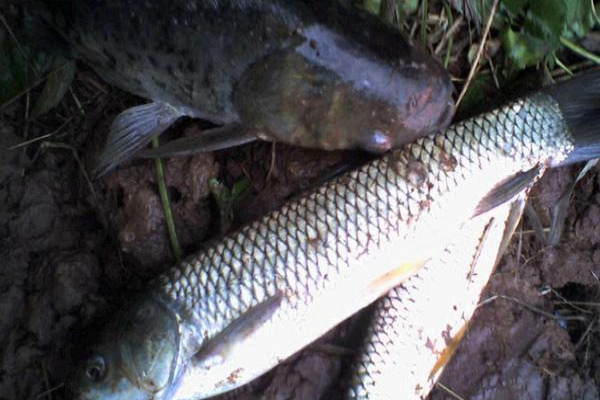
x: 514, y: 7
x: 227, y: 199
x: 55, y: 88
x: 522, y: 49
x: 546, y: 18
x: 579, y: 17
x: 20, y: 68
x: 239, y: 189
x: 407, y: 7
x: 477, y: 94
x: 372, y: 6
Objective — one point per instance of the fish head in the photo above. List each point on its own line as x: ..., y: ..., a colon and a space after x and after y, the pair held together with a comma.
x: 421, y: 91
x: 328, y: 94
x: 398, y: 99
x: 136, y: 357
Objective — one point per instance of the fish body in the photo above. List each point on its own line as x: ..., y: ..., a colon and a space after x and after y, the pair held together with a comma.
x: 416, y: 326
x: 249, y: 300
x: 312, y: 73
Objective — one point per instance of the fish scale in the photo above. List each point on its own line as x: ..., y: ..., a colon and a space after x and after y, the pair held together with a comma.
x: 415, y: 327
x: 251, y: 299
x: 354, y: 216
x: 304, y: 72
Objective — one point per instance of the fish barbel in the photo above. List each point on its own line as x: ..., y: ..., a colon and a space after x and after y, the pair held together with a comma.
x: 417, y: 326
x: 251, y: 299
x: 307, y: 72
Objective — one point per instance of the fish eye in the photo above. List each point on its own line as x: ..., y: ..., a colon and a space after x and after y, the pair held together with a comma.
x: 95, y: 368
x: 412, y: 103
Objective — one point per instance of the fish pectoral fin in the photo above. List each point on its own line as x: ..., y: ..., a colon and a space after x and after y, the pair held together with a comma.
x: 219, y: 138
x: 507, y: 189
x: 393, y: 278
x: 132, y: 130
x: 216, y: 350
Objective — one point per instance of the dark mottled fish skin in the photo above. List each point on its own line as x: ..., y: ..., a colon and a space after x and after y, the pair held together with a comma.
x: 312, y: 73
x: 251, y: 299
x: 184, y: 53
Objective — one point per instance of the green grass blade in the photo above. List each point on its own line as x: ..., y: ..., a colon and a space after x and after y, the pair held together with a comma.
x: 164, y: 197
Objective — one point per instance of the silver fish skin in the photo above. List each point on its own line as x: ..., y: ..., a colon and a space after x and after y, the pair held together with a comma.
x: 416, y: 327
x: 308, y: 72
x: 253, y: 298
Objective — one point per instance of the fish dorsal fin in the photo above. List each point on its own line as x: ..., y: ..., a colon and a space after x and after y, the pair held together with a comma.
x: 216, y: 350
x: 219, y: 138
x: 132, y: 130
x: 507, y: 189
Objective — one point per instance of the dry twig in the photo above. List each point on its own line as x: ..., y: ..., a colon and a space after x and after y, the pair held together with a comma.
x: 475, y: 65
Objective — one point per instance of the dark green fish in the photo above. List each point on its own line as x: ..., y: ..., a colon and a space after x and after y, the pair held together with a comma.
x: 308, y: 72
x: 251, y: 299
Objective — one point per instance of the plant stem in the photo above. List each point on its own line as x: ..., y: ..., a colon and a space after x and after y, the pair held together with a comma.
x: 387, y: 9
x: 450, y: 39
x: 480, y: 49
x: 594, y: 12
x: 164, y: 197
x: 579, y: 50
x: 562, y: 66
x: 423, y: 31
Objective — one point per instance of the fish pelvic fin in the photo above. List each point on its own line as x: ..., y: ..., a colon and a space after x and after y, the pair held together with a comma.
x: 507, y: 189
x: 132, y: 130
x: 579, y: 102
x: 219, y: 138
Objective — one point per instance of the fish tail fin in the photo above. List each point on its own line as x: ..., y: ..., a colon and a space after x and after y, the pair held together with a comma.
x: 579, y: 102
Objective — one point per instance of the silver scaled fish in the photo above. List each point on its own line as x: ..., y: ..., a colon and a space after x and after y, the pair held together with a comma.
x: 251, y: 299
x: 307, y: 72
x: 418, y: 325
